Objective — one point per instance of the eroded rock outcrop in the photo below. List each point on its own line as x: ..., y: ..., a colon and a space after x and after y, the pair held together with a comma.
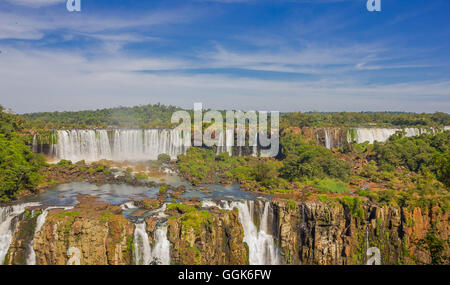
x: 315, y: 232
x: 212, y: 236
x: 20, y: 248
x: 333, y: 231
x: 94, y: 232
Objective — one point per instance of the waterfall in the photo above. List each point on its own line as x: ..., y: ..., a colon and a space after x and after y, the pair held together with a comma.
x: 229, y: 141
x: 34, y: 146
x: 161, y: 249
x: 261, y: 244
x: 8, y: 225
x: 220, y: 144
x: 255, y: 145
x: 119, y: 145
x: 142, y: 249
x: 145, y: 254
x: 225, y: 144
x: 383, y: 134
x: 128, y: 205
x: 327, y: 139
x: 262, y: 248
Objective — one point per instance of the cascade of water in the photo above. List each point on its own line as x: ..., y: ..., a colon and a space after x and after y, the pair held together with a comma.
x: 128, y: 205
x: 255, y: 145
x: 327, y: 139
x: 94, y: 145
x: 142, y: 247
x: 229, y: 141
x: 34, y: 146
x: 261, y: 244
x: 8, y: 225
x: 161, y: 249
x: 263, y: 250
x: 382, y: 134
x: 220, y: 143
x: 225, y: 144
x: 145, y: 254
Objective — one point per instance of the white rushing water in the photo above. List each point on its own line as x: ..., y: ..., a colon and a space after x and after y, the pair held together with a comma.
x: 8, y: 225
x: 382, y: 134
x: 128, y: 205
x: 327, y: 139
x: 119, y: 145
x: 225, y: 144
x: 255, y: 146
x: 145, y: 254
x: 261, y: 244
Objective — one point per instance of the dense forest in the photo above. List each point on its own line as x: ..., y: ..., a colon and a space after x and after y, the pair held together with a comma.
x: 146, y: 116
x: 158, y: 116
x: 19, y: 167
x: 354, y: 119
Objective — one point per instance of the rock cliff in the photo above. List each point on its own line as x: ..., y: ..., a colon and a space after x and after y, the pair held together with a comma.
x: 212, y: 237
x: 317, y: 232
x: 93, y: 232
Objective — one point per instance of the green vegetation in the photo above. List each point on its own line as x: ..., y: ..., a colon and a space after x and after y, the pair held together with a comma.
x: 435, y: 246
x: 426, y: 153
x: 304, y: 160
x: 146, y: 116
x: 163, y: 188
x: 157, y: 115
x: 332, y: 186
x: 353, y: 119
x: 181, y: 208
x: 165, y: 158
x: 19, y: 167
x: 201, y: 165
x: 292, y: 205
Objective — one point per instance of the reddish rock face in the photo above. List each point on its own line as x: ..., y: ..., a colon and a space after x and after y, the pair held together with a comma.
x: 310, y: 232
x: 321, y: 233
x: 97, y: 231
x: 212, y: 237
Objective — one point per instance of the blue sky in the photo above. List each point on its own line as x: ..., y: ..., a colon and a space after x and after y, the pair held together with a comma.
x: 325, y: 55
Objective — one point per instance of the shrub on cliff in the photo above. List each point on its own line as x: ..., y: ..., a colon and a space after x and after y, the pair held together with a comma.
x: 164, y: 158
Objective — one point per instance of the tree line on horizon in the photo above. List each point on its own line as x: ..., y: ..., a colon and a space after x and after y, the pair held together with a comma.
x: 159, y: 116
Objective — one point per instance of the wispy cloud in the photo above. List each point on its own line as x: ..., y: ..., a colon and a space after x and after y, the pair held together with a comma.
x: 83, y: 83
x: 26, y: 25
x: 36, y: 3
x: 89, y: 60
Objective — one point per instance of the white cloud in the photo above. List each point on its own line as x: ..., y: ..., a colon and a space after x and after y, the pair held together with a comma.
x: 36, y: 3
x: 39, y: 81
x: 310, y: 59
x: 33, y: 26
